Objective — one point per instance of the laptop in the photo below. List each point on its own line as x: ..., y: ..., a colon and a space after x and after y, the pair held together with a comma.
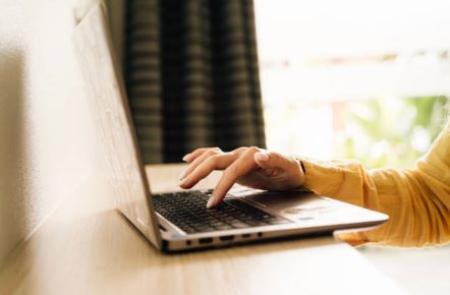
x: 179, y: 220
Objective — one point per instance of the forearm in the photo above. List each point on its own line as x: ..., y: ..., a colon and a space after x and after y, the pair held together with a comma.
x: 418, y: 215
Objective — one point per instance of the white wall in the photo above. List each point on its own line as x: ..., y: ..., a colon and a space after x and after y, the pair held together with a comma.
x: 47, y: 138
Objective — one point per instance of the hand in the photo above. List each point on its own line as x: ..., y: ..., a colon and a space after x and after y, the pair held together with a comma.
x: 249, y: 166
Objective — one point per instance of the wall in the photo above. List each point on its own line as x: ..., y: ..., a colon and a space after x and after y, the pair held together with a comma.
x: 47, y: 138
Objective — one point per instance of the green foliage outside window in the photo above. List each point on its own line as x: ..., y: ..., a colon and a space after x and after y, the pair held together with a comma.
x: 391, y: 132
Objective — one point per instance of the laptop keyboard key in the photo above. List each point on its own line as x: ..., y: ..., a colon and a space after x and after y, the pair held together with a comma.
x: 238, y: 224
x: 277, y: 221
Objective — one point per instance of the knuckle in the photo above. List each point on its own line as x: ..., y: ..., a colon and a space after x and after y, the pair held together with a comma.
x: 239, y: 150
x: 253, y: 149
x: 211, y: 161
x: 214, y: 151
x: 211, y: 153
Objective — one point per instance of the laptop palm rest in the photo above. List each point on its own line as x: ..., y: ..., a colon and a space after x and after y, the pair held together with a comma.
x: 306, y: 208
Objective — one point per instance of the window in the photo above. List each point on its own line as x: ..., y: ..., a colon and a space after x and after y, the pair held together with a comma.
x: 368, y: 80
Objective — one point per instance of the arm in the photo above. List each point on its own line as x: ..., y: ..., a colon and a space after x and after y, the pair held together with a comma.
x: 417, y: 200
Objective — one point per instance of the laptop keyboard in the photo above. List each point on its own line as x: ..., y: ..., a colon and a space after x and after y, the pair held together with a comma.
x: 188, y: 211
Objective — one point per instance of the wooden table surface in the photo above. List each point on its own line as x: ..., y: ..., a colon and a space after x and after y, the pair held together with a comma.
x: 87, y: 247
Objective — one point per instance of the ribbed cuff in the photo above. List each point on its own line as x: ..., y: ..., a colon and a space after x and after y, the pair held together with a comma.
x: 329, y: 179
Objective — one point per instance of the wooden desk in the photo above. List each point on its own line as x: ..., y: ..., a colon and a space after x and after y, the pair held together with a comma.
x: 87, y: 247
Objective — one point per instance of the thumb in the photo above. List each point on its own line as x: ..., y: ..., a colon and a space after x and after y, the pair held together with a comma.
x: 270, y: 160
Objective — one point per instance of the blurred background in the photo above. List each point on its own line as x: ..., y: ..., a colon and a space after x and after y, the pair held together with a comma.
x: 354, y: 79
x: 367, y: 80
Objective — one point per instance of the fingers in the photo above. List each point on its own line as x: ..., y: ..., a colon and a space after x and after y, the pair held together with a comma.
x: 206, y: 166
x: 283, y: 171
x: 198, y: 152
x: 201, y: 155
x: 197, y: 161
x: 237, y: 163
x: 240, y: 167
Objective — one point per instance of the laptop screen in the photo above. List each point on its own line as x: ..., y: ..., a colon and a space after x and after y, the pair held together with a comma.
x: 109, y: 106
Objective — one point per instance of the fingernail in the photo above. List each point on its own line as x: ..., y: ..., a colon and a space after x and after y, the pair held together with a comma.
x: 183, y: 182
x: 182, y: 175
x: 186, y: 157
x: 262, y: 156
x: 211, y: 203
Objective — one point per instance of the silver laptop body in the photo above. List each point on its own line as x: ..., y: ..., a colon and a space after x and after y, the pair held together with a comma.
x: 300, y: 213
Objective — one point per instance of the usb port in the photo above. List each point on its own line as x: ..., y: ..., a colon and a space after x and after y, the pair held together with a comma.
x: 205, y: 240
x: 226, y: 238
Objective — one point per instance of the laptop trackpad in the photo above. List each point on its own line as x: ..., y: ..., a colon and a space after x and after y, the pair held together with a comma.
x: 296, y: 205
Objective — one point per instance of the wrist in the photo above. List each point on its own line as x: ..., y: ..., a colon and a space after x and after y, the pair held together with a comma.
x: 301, y: 172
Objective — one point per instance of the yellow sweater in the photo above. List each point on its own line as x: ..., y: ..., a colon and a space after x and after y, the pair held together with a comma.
x: 416, y: 200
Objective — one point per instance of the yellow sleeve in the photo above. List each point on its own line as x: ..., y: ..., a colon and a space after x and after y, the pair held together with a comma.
x: 416, y: 200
